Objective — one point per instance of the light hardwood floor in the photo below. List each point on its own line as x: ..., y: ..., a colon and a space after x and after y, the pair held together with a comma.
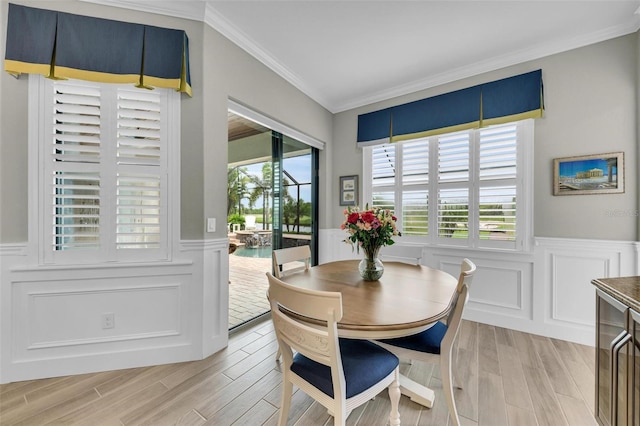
x: 510, y: 378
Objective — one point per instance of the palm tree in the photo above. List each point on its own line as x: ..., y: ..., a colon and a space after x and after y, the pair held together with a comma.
x: 237, y: 182
x: 261, y: 188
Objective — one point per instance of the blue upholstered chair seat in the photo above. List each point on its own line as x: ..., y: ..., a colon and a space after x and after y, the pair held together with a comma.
x: 364, y: 364
x: 428, y: 341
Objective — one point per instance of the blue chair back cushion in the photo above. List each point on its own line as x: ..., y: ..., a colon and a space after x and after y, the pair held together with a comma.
x: 364, y: 364
x: 428, y: 341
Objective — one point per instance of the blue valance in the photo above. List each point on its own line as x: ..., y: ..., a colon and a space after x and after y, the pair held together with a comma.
x: 63, y: 45
x: 375, y: 127
x: 510, y: 99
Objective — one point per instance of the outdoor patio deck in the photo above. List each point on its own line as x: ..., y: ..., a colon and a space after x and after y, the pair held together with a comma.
x: 247, y: 288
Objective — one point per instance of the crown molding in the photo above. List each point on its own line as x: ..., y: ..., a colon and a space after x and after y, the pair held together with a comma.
x: 246, y: 43
x: 491, y: 64
x: 203, y: 11
x: 193, y: 10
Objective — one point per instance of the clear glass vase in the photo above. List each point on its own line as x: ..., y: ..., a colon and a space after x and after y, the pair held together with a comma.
x: 370, y: 267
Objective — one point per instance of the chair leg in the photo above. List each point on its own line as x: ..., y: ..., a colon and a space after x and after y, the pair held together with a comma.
x: 394, y: 396
x: 278, y: 354
x: 457, y: 381
x: 447, y: 387
x: 285, y: 403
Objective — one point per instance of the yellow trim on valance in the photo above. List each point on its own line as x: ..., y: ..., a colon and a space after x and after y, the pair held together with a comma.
x: 19, y: 67
x: 72, y: 73
x: 443, y: 130
x: 537, y: 113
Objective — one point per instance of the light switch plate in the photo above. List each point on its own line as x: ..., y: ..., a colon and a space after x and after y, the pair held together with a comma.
x: 211, y: 224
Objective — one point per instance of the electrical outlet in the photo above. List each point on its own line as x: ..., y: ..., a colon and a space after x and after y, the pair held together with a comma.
x: 108, y: 320
x: 211, y: 224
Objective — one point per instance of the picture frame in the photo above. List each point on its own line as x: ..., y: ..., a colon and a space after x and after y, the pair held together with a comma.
x: 589, y: 174
x: 349, y: 190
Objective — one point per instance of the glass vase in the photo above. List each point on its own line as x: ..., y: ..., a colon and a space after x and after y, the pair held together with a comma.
x: 370, y: 267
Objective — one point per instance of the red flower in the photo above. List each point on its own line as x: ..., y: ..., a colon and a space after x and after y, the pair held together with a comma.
x: 368, y: 217
x: 353, y: 218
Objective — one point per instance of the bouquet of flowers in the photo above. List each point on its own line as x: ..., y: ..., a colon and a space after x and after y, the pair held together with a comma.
x: 369, y: 229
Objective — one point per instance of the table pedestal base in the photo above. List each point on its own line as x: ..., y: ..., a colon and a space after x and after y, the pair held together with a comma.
x: 416, y: 392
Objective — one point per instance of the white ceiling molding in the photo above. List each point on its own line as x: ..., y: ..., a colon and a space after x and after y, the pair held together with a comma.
x: 205, y: 11
x: 236, y: 36
x: 193, y: 10
x: 491, y: 64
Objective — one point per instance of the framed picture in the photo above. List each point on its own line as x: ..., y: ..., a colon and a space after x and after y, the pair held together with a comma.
x: 349, y: 190
x: 589, y: 174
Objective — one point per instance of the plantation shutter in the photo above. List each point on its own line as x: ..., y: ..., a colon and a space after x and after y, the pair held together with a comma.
x: 497, y: 193
x: 415, y: 187
x: 453, y: 182
x: 105, y: 172
x: 139, y: 192
x: 384, y: 177
x: 73, y: 166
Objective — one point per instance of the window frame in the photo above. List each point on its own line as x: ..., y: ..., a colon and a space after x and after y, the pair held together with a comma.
x: 523, y: 182
x: 40, y: 92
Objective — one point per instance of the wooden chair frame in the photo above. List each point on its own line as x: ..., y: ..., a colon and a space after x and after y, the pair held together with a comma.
x: 446, y: 356
x: 320, y: 344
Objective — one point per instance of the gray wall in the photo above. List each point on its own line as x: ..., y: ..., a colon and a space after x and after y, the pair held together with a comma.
x: 219, y: 70
x: 591, y: 97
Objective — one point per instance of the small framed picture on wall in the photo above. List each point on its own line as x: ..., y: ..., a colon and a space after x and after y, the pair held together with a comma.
x: 589, y: 174
x: 349, y: 190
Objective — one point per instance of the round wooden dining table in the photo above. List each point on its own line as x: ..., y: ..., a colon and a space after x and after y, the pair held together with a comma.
x: 406, y: 300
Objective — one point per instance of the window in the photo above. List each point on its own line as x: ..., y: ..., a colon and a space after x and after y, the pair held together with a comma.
x: 104, y: 153
x: 469, y: 188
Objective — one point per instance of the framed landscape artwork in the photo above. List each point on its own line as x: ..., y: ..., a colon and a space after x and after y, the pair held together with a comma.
x: 589, y: 174
x: 349, y: 190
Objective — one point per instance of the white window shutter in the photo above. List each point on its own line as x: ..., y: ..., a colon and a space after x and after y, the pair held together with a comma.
x: 104, y: 188
x: 140, y: 187
x: 73, y: 167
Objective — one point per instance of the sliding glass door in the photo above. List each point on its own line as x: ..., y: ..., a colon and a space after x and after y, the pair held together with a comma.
x: 295, y: 167
x: 272, y: 204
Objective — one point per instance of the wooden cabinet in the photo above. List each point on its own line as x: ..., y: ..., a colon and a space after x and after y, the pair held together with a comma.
x: 617, y: 401
x: 610, y: 378
x: 634, y: 386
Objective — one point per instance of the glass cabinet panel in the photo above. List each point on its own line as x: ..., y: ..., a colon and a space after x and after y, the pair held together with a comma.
x: 610, y: 315
x: 634, y: 385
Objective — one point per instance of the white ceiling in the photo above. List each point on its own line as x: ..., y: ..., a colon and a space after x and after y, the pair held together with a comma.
x: 346, y: 54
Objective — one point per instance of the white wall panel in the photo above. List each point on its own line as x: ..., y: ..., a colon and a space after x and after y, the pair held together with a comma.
x: 575, y: 303
x: 164, y: 312
x: 74, y: 317
x: 546, y: 292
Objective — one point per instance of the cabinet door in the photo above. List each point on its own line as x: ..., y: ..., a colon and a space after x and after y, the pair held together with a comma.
x: 634, y: 385
x: 611, y: 328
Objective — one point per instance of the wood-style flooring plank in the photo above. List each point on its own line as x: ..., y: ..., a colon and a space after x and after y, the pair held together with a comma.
x: 545, y: 402
x: 558, y: 376
x: 513, y: 378
x: 508, y: 377
x: 576, y: 411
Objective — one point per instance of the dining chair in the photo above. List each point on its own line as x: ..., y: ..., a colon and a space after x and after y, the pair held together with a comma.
x: 435, y: 345
x: 284, y: 258
x: 282, y: 261
x: 341, y: 374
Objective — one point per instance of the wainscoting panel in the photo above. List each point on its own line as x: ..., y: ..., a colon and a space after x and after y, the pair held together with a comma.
x: 52, y: 318
x: 568, y: 302
x: 501, y: 287
x: 547, y: 291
